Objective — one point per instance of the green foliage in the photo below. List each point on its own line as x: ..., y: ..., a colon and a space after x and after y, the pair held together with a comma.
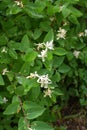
x: 43, y: 61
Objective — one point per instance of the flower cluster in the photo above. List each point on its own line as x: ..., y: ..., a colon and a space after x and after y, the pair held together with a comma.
x: 44, y: 81
x: 45, y: 46
x: 61, y: 33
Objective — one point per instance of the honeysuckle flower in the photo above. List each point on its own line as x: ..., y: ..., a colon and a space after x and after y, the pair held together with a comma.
x: 44, y: 81
x: 47, y: 92
x: 40, y: 45
x: 43, y: 54
x: 52, y: 19
x: 19, y: 3
x: 76, y: 53
x: 49, y: 45
x: 5, y: 100
x: 81, y: 34
x: 61, y: 8
x: 61, y: 33
x: 33, y: 75
x: 4, y: 50
x: 4, y: 71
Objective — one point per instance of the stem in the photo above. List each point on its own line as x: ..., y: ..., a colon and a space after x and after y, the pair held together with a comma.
x: 26, y: 121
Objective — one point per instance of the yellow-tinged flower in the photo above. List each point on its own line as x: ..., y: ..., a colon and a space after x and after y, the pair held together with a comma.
x: 47, y: 92
x: 76, y: 53
x: 61, y: 33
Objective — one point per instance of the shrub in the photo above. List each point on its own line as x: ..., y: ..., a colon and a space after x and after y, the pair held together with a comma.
x: 43, y: 60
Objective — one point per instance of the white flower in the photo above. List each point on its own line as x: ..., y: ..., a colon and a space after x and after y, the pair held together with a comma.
x: 4, y: 71
x: 81, y: 34
x: 19, y: 3
x: 49, y: 45
x: 43, y: 54
x: 85, y: 32
x: 5, y: 100
x: 32, y: 75
x: 40, y: 45
x: 4, y: 50
x: 44, y: 81
x: 47, y: 92
x: 76, y: 53
x: 61, y: 33
x: 61, y: 8
x: 52, y: 19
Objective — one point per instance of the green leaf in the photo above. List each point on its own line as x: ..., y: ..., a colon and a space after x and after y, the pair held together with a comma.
x: 48, y: 65
x: 11, y: 88
x: 1, y: 100
x: 25, y: 43
x: 13, y: 9
x: 19, y: 90
x: 37, y: 33
x: 49, y: 36
x: 12, y: 108
x: 58, y: 92
x: 15, y: 99
x: 25, y: 68
x: 73, y: 19
x: 45, y: 26
x: 40, y: 125
x: 30, y: 56
x: 13, y: 53
x: 33, y: 110
x: 1, y: 80
x: 57, y: 61
x: 76, y: 12
x: 64, y: 68
x: 32, y: 11
x: 57, y: 77
x: 22, y: 125
x: 59, y: 51
x: 53, y: 9
x: 3, y: 40
x: 34, y: 93
x: 66, y: 12
x: 27, y: 83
